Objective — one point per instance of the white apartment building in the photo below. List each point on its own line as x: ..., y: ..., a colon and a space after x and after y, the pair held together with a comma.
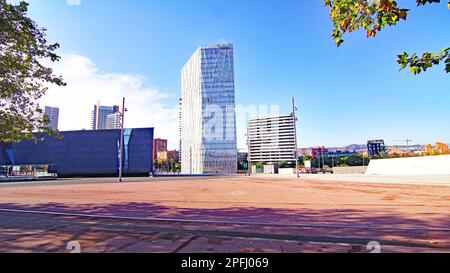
x: 271, y: 139
x: 113, y: 121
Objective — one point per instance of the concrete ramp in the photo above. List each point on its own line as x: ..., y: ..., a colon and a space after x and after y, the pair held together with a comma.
x: 410, y: 166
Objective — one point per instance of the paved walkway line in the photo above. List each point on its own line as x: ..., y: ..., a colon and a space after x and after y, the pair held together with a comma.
x: 197, y: 221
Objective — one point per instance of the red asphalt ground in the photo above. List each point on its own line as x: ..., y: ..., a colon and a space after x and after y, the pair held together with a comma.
x: 257, y: 214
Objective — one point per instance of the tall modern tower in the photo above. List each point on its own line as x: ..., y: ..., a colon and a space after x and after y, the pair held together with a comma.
x: 53, y: 115
x: 208, y: 118
x: 99, y: 116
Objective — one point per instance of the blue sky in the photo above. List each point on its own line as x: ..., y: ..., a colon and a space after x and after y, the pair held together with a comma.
x: 282, y: 49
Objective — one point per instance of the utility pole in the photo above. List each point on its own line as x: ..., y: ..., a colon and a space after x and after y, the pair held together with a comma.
x: 121, y: 141
x: 294, y: 116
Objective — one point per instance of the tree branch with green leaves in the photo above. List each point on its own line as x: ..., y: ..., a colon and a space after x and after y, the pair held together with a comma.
x: 374, y: 15
x: 24, y: 79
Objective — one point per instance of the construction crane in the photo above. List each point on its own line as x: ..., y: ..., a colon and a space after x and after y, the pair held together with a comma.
x: 404, y: 140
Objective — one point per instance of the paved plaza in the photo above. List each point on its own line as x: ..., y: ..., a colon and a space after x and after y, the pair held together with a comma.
x: 227, y: 214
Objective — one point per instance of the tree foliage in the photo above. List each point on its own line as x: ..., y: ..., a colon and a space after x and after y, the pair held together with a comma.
x: 374, y: 15
x: 24, y: 79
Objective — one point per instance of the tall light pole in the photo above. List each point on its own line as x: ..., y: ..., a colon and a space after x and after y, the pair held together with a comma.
x: 121, y: 141
x: 249, y: 155
x: 294, y: 116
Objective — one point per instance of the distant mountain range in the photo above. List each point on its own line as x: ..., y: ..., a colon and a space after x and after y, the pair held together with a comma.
x: 358, y: 147
x: 351, y: 147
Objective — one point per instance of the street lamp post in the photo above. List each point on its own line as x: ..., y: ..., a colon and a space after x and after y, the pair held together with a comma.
x: 121, y: 140
x: 294, y: 116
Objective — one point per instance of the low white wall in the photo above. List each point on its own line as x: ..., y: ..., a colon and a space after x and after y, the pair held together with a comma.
x: 414, y: 165
x: 286, y: 171
x: 349, y: 170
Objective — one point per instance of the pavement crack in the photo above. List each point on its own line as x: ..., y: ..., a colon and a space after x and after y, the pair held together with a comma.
x: 185, y: 244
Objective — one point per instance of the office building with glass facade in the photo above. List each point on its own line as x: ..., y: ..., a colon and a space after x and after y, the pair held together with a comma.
x: 84, y: 153
x: 53, y: 115
x: 208, y: 118
x: 99, y: 116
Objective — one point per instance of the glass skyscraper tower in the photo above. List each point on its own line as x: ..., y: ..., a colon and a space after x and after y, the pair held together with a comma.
x: 53, y: 115
x: 99, y: 116
x: 208, y: 118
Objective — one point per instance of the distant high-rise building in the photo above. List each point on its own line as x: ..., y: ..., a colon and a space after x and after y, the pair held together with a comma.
x: 376, y: 147
x: 172, y: 156
x: 99, y: 116
x: 160, y: 150
x: 208, y: 118
x: 272, y: 139
x: 53, y: 115
x: 114, y: 121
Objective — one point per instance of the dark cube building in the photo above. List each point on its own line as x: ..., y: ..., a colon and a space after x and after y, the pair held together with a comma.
x: 85, y: 153
x: 376, y: 147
